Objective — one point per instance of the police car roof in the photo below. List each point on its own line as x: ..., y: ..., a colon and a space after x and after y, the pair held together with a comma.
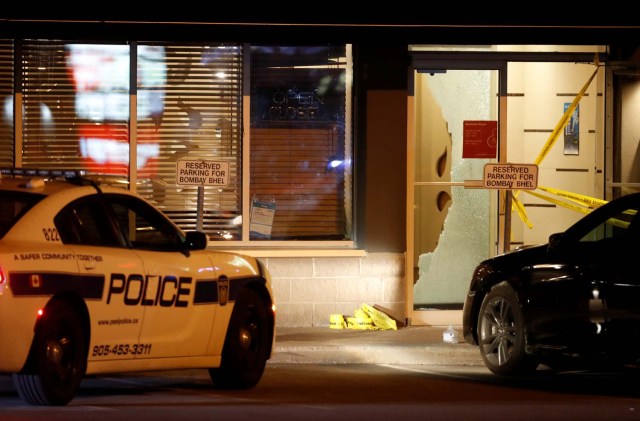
x: 45, y: 182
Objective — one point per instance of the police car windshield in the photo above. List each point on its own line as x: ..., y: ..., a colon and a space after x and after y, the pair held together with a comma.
x: 13, y: 205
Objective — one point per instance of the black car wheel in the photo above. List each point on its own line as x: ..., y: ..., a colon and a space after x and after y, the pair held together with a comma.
x: 58, y: 360
x: 247, y: 344
x: 501, y: 333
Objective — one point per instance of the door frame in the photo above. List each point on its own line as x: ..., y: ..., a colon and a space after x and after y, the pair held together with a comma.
x: 422, y: 61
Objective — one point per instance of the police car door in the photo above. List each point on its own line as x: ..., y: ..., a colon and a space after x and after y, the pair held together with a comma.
x: 178, y: 307
x: 84, y: 226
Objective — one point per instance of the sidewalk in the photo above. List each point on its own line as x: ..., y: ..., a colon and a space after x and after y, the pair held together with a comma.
x: 419, y: 345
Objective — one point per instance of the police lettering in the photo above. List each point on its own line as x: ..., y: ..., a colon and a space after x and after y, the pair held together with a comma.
x: 150, y: 290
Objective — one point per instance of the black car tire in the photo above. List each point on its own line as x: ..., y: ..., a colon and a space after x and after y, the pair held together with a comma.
x: 58, y: 360
x: 247, y: 344
x: 501, y: 334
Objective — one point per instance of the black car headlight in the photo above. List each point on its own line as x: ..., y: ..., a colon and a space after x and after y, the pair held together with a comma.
x: 482, y: 270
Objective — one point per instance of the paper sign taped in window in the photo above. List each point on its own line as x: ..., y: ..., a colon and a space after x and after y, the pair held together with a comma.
x: 262, y: 214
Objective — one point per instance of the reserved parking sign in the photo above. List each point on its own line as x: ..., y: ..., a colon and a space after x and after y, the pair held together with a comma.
x: 202, y: 173
x: 511, y: 176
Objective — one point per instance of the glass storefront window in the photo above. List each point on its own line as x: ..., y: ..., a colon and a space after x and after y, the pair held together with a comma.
x: 189, y: 102
x: 6, y: 96
x: 300, y: 145
x: 79, y: 112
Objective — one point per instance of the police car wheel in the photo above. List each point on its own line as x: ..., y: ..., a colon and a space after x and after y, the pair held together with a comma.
x: 58, y: 359
x: 246, y: 347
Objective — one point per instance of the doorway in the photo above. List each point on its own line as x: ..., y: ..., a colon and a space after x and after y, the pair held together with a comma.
x: 452, y: 222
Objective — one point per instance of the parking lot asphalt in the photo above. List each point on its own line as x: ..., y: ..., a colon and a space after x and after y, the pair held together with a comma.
x: 419, y: 345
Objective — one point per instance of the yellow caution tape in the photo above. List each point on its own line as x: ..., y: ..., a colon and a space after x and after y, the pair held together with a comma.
x: 581, y: 203
x: 585, y: 210
x: 618, y: 223
x: 521, y: 212
x: 360, y: 314
x: 380, y: 319
x: 579, y: 198
x: 359, y: 323
x: 337, y: 321
x: 571, y: 206
x: 563, y: 121
x: 364, y: 318
x: 588, y: 204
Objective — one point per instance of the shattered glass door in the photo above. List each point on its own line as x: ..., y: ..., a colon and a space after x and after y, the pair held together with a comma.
x: 454, y: 222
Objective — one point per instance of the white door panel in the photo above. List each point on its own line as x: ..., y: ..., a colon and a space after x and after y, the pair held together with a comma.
x: 179, y: 304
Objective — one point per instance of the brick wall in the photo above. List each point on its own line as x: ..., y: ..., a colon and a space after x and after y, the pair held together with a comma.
x: 309, y: 289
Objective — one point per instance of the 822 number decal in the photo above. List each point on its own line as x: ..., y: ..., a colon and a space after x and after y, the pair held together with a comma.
x: 50, y: 234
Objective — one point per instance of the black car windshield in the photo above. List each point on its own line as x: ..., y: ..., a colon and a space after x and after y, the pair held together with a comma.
x: 613, y: 220
x: 13, y: 205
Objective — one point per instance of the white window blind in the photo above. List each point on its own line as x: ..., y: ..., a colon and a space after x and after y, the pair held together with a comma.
x: 77, y: 115
x: 77, y: 100
x: 300, y: 148
x: 189, y: 109
x: 6, y: 96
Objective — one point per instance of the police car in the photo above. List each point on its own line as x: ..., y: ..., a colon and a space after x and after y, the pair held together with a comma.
x: 94, y: 280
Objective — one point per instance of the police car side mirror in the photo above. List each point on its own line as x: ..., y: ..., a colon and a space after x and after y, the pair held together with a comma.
x: 196, y: 240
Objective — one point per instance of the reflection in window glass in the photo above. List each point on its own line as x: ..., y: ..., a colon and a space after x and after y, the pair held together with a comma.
x: 613, y: 227
x: 189, y: 102
x: 300, y: 147
x: 76, y: 106
x: 144, y: 227
x: 100, y: 79
x: 189, y: 109
x: 6, y: 103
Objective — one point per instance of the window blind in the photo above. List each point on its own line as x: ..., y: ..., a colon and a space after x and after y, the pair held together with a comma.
x: 199, y: 94
x: 6, y: 96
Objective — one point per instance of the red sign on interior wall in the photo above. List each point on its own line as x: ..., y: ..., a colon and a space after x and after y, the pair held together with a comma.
x: 479, y: 139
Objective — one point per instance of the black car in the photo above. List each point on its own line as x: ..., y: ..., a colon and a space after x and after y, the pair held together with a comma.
x: 573, y: 302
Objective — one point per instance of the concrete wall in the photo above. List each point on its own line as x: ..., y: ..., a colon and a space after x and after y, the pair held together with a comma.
x: 309, y: 289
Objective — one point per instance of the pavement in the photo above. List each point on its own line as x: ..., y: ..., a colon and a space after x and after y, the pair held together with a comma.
x: 414, y: 345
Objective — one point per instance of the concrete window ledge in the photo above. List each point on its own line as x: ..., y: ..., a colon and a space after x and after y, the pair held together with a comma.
x: 311, y: 252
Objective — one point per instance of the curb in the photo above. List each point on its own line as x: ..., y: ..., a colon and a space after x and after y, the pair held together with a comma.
x: 413, y: 346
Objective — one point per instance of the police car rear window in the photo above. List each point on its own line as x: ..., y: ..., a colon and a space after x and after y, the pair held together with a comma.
x: 13, y: 205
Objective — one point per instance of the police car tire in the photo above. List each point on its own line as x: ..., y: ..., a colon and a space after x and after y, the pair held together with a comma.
x: 246, y: 347
x: 58, y: 360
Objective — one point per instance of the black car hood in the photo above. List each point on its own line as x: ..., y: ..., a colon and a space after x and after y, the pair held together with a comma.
x: 520, y: 257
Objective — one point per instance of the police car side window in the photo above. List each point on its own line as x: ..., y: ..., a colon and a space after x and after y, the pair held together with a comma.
x: 13, y: 205
x: 85, y: 222
x: 67, y: 227
x: 143, y: 226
